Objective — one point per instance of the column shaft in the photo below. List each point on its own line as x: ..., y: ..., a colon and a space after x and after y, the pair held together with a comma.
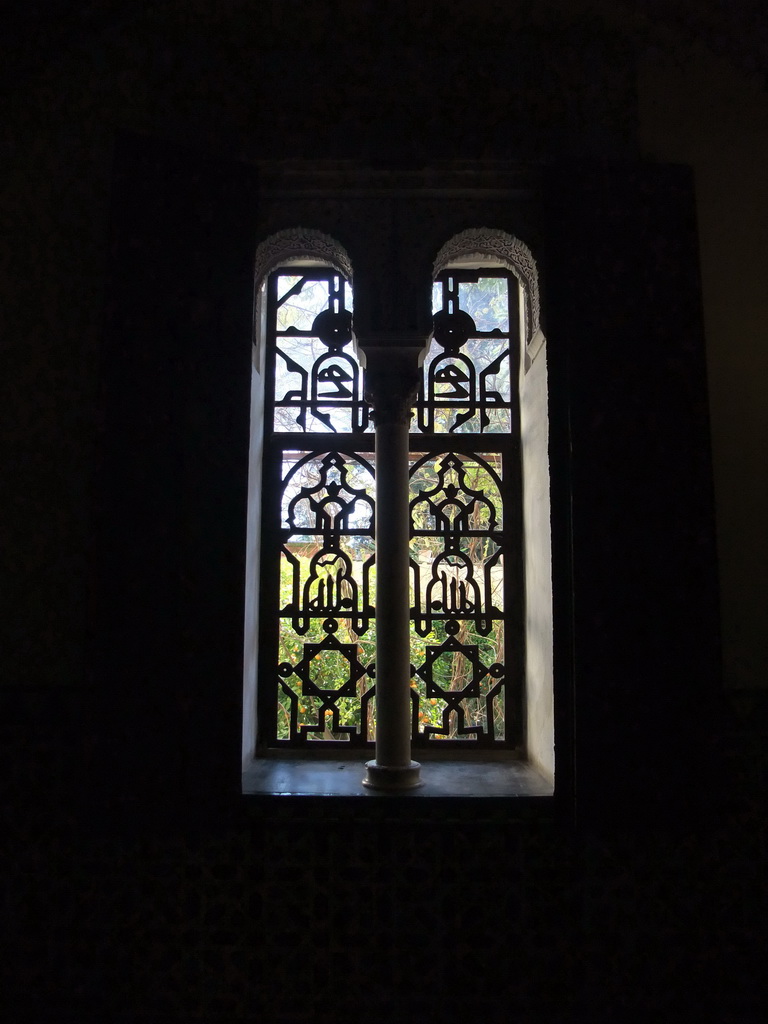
x: 393, y: 656
x: 391, y: 381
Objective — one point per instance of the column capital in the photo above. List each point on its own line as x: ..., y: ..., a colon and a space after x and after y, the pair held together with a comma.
x: 392, y: 374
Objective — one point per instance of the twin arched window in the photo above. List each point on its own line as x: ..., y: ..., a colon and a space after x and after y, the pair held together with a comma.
x: 313, y: 482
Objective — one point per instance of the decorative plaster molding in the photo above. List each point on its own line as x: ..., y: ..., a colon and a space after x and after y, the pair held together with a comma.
x: 300, y: 243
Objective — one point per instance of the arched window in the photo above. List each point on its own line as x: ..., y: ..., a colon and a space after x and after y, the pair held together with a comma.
x: 305, y: 531
x: 465, y: 517
x: 500, y: 263
x: 477, y: 682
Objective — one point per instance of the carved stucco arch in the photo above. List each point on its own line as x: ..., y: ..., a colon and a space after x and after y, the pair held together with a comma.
x: 300, y: 244
x: 488, y: 245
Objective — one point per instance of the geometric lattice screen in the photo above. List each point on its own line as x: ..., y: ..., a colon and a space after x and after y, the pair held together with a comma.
x: 317, y: 627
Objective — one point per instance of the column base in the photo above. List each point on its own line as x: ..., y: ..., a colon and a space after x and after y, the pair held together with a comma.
x: 379, y: 776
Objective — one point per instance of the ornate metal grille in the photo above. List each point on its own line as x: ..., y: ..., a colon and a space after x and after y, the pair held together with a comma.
x: 317, y: 638
x: 466, y: 537
x: 317, y: 624
x: 317, y: 382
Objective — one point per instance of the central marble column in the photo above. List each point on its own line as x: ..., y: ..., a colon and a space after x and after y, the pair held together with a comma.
x: 392, y: 376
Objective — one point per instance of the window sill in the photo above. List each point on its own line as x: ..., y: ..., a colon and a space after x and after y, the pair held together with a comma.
x: 443, y: 780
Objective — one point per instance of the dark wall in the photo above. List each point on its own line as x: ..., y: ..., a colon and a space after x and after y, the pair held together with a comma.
x: 138, y: 883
